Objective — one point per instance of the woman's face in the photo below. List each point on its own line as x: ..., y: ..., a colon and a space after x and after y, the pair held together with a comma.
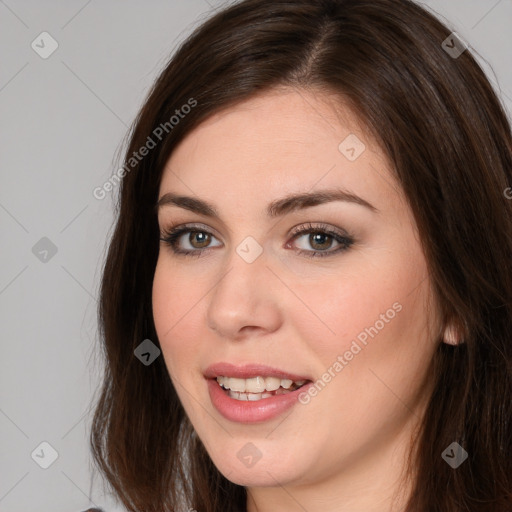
x: 342, y: 307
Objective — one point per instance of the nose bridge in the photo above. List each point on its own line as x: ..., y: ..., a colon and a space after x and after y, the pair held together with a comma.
x: 242, y: 295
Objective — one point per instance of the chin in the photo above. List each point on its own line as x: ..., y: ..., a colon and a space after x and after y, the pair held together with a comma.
x: 275, y: 470
x: 261, y: 477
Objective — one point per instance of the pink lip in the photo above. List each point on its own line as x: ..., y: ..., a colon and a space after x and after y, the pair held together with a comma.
x: 245, y: 411
x: 249, y: 370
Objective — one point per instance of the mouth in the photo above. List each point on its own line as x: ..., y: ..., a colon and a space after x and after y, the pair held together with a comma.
x: 253, y: 393
x: 258, y: 388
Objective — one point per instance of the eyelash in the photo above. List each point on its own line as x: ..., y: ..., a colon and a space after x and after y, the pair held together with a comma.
x: 171, y: 236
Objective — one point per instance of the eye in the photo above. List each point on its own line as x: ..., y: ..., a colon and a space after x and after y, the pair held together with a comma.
x: 198, y: 239
x: 320, y: 237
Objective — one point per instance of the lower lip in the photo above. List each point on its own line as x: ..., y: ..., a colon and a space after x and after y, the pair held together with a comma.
x: 243, y: 411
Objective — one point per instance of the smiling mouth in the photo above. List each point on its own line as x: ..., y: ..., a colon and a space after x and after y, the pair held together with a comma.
x: 258, y: 388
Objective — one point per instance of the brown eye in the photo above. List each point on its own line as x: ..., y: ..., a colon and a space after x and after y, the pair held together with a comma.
x: 320, y: 241
x: 188, y: 241
x: 203, y: 239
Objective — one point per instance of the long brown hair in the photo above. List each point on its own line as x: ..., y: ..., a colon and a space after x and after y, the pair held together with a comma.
x: 449, y: 141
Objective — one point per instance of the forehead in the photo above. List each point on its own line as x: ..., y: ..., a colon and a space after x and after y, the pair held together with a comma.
x: 278, y: 142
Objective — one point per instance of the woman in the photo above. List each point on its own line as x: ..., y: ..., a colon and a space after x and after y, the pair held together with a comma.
x: 306, y: 302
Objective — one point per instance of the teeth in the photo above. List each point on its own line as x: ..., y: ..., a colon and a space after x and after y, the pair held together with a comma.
x: 286, y: 383
x: 257, y: 385
x: 252, y: 397
x: 254, y: 385
x: 272, y: 383
x: 234, y: 384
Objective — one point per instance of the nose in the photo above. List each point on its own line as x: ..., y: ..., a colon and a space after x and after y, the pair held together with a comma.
x: 245, y: 299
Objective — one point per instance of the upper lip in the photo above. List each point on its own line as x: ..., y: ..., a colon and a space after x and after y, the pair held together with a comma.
x: 248, y: 371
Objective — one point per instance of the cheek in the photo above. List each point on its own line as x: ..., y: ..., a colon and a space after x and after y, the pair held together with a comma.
x: 374, y: 364
x: 176, y: 299
x: 339, y: 309
x: 378, y: 312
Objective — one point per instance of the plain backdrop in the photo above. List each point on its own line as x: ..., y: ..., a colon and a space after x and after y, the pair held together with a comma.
x: 62, y: 119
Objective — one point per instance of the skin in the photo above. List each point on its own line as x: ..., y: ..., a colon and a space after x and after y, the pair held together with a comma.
x: 345, y: 450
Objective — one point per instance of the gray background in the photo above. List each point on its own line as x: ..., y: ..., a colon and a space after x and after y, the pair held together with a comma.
x: 62, y: 121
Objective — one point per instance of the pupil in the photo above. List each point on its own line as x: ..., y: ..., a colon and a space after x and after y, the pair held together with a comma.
x: 316, y: 238
x: 199, y: 235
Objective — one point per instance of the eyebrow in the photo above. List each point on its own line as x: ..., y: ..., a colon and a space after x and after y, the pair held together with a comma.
x: 276, y: 208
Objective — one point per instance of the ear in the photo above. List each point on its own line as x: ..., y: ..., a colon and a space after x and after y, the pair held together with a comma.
x: 452, y: 335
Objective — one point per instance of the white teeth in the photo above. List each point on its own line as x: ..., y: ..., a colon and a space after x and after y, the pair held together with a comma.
x: 235, y: 384
x: 286, y: 383
x: 251, y: 397
x: 272, y: 383
x: 256, y: 385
